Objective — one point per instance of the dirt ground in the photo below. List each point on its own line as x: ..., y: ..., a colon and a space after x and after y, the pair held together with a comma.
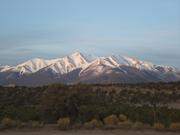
x: 85, y: 132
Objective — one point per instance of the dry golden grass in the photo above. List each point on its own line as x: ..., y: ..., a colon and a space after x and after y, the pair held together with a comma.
x: 111, y: 120
x: 175, y: 126
x: 93, y: 124
x: 63, y: 123
x: 158, y: 126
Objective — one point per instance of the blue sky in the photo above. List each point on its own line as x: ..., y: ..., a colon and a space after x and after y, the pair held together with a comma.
x: 145, y: 29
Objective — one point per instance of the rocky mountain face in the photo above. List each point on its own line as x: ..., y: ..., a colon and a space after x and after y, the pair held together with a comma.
x: 80, y: 68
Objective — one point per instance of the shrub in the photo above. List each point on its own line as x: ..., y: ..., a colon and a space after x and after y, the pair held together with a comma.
x: 8, y: 123
x: 158, y: 126
x: 125, y: 124
x: 175, y: 126
x: 122, y: 117
x: 111, y: 120
x: 63, y: 123
x: 138, y: 125
x: 93, y: 124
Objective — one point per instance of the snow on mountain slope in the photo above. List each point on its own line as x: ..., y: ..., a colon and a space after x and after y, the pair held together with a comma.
x: 143, y: 65
x: 79, y: 59
x: 60, y: 65
x: 4, y: 68
x: 166, y: 69
x: 124, y: 60
x: 118, y: 61
x: 31, y: 66
x: 100, y: 65
x: 120, y: 64
x: 67, y: 64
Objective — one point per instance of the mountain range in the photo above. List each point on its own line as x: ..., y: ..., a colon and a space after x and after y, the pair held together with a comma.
x: 81, y: 68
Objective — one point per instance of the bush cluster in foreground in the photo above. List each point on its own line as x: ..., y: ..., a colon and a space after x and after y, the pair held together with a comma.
x: 109, y: 122
x: 63, y: 123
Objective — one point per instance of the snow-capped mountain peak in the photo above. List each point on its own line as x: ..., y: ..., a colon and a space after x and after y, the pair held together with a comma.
x: 67, y: 64
x: 76, y: 54
x: 31, y: 66
x: 137, y: 63
x: 101, y: 64
x: 80, y: 67
x: 79, y: 59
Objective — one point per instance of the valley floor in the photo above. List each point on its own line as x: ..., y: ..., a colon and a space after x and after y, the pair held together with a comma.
x: 86, y: 132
